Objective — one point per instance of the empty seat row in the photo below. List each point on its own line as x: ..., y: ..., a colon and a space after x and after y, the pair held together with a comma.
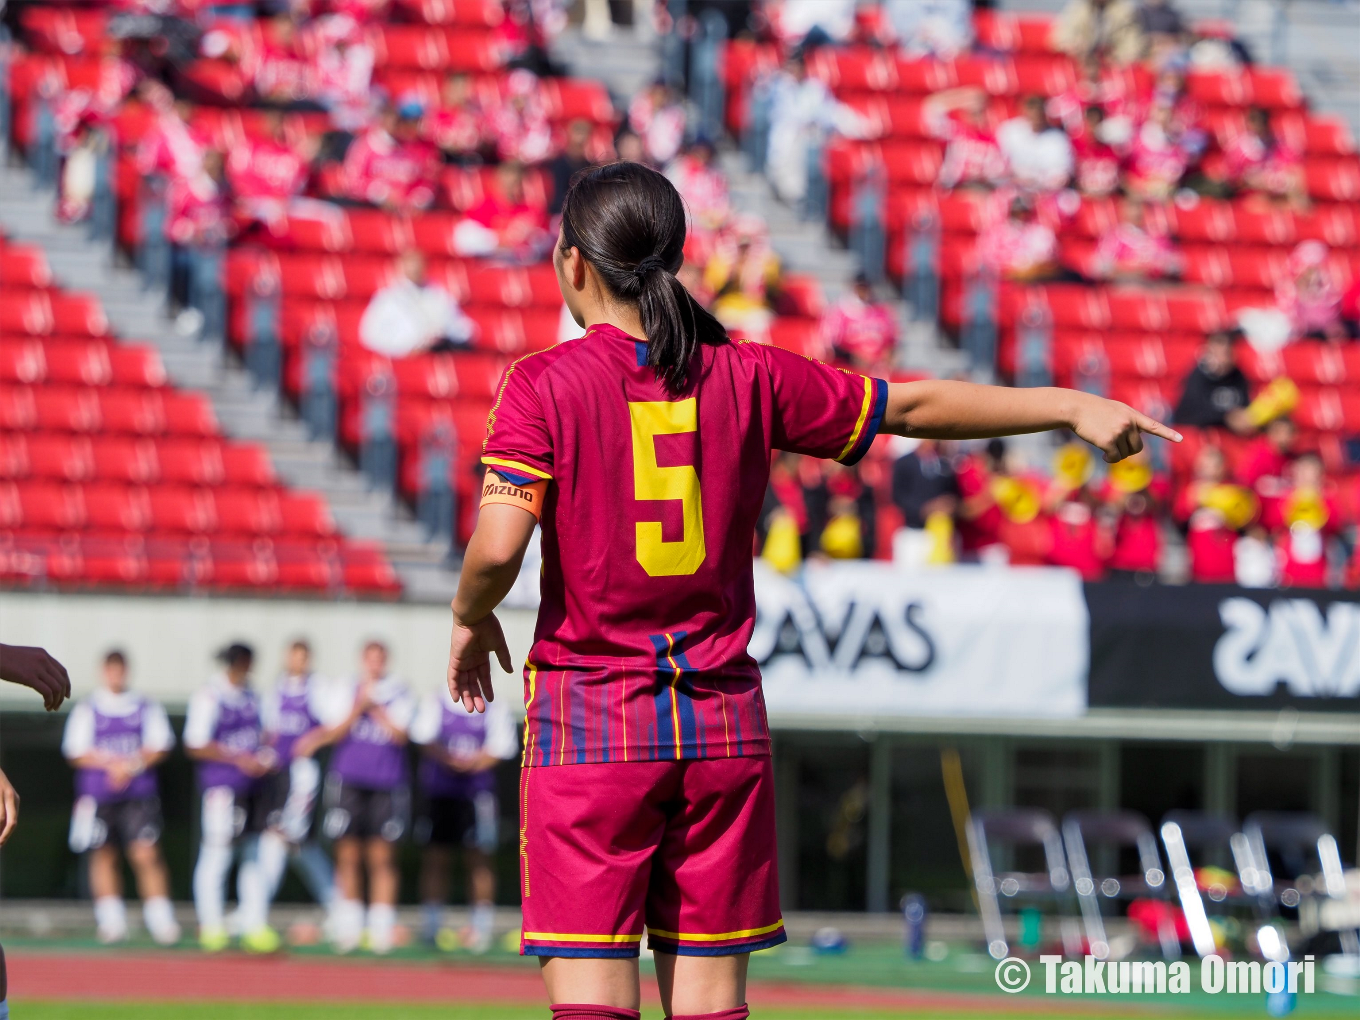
x: 42, y: 312
x: 142, y: 461
x: 79, y: 361
x: 358, y: 276
x: 91, y: 409
x: 110, y: 506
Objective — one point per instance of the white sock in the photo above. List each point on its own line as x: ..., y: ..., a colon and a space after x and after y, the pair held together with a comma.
x: 159, y: 917
x: 110, y: 914
x: 273, y: 858
x: 210, y: 879
x: 253, y: 894
x: 347, y: 923
x: 483, y: 917
x: 382, y: 919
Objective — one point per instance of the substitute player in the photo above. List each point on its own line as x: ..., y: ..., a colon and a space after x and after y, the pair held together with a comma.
x: 367, y: 797
x: 459, y: 808
x: 222, y: 733
x: 115, y: 738
x: 645, y: 446
x: 291, y: 713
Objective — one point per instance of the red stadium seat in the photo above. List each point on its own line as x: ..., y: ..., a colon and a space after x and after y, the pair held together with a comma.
x: 22, y: 360
x: 51, y: 506
x: 61, y: 456
x: 126, y: 459
x: 68, y: 409
x: 302, y: 513
x: 181, y: 509
x: 114, y: 507
x: 247, y: 511
x: 23, y: 265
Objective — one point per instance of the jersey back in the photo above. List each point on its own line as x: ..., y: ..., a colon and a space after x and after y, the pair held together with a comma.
x: 647, y: 597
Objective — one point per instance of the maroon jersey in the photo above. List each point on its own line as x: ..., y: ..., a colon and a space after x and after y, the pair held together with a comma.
x: 648, y: 600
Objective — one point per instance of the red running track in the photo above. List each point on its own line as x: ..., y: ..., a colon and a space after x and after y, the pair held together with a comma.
x: 185, y: 977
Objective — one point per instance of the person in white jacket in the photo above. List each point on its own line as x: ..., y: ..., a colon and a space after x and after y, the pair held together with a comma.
x: 412, y: 316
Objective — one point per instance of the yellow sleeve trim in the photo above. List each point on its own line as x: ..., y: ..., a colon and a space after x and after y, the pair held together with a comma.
x: 548, y: 936
x: 720, y: 936
x: 527, y: 497
x: 863, y: 417
x: 515, y: 465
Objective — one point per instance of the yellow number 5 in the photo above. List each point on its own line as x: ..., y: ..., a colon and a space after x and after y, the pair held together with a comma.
x: 666, y: 418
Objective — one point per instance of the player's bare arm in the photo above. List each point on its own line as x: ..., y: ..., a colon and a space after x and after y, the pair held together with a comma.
x: 9, y: 808
x: 490, y: 567
x: 943, y: 409
x: 34, y: 667
x: 250, y: 763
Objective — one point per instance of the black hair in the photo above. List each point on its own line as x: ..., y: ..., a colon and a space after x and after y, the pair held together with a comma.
x: 116, y: 656
x: 628, y: 221
x: 237, y: 655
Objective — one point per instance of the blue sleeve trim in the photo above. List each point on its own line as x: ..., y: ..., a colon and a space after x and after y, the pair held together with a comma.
x: 513, y: 477
x: 872, y: 426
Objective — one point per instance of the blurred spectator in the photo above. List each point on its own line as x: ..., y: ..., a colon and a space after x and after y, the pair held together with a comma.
x: 1307, y: 518
x: 979, y: 515
x: 860, y: 330
x: 458, y: 125
x: 281, y: 71
x: 412, y: 316
x: 1077, y: 539
x: 1038, y: 154
x: 519, y: 124
x: 1159, y: 18
x: 972, y: 156
x: 743, y: 276
x: 923, y: 486
x: 1213, y: 511
x: 170, y: 146
x: 197, y: 226
x: 82, y: 146
x: 504, y: 223
x: 264, y: 173
x: 1157, y: 159
x: 1109, y: 26
x: 1097, y: 163
x: 1134, y: 496
x: 630, y: 147
x: 931, y: 28
x: 803, y: 112
x: 1257, y: 163
x: 849, y: 532
x: 1129, y: 251
x: 390, y: 165
x: 657, y: 117
x: 1215, y: 392
x: 1017, y: 246
x: 807, y: 24
x: 1310, y: 296
x: 784, y: 523
x: 343, y: 70
x: 569, y: 162
x: 702, y: 185
x: 1262, y: 466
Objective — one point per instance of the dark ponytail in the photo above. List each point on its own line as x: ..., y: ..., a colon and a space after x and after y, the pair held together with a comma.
x: 628, y: 221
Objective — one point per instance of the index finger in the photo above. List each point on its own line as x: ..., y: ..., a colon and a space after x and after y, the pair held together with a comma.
x: 1156, y: 428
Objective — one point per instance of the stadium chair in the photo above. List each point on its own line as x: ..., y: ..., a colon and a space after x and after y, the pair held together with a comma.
x: 1333, y: 180
x: 1269, y: 227
x: 52, y: 506
x: 126, y: 459
x: 23, y: 265
x: 1204, y: 221
x: 1116, y: 829
x: 245, y: 464
x: 59, y: 456
x: 14, y: 456
x: 182, y: 509
x: 22, y: 360
x: 189, y: 414
x: 1210, y: 837
x: 77, y: 314
x: 114, y: 560
x: 133, y: 412
x: 247, y: 511
x: 304, y: 513
x: 1008, y: 830
x: 67, y: 409
x: 113, y: 507
x: 513, y: 287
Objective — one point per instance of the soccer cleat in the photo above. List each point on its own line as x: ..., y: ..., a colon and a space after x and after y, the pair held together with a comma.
x: 261, y: 940
x: 166, y: 935
x: 110, y: 935
x: 214, y: 939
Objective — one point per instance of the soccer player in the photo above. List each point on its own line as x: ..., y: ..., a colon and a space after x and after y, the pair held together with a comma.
x: 457, y: 778
x: 28, y: 667
x: 644, y: 448
x: 291, y: 714
x: 368, y: 798
x: 115, y: 738
x: 222, y: 733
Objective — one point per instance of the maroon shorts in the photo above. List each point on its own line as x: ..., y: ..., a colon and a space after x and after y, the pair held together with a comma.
x: 684, y: 848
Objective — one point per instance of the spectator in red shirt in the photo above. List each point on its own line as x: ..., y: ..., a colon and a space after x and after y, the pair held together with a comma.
x: 860, y: 330
x: 1307, y: 519
x: 1213, y: 511
x: 1158, y: 159
x: 1097, y: 163
x: 282, y: 72
x: 390, y: 165
x: 504, y: 223
x: 1017, y: 245
x: 519, y: 124
x: 1259, y: 164
x: 1262, y: 468
x: 264, y: 172
x: 1136, y: 497
x: 979, y: 514
x: 458, y: 125
x: 1309, y: 294
x: 972, y: 157
x: 1129, y: 251
x: 1077, y: 538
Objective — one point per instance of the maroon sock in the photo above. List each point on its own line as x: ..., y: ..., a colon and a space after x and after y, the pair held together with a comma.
x: 566, y: 1011
x: 737, y: 1013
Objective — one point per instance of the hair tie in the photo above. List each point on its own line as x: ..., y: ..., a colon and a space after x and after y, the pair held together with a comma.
x: 647, y: 265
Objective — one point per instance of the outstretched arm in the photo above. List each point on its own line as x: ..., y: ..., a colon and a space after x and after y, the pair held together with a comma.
x: 943, y: 409
x: 34, y: 667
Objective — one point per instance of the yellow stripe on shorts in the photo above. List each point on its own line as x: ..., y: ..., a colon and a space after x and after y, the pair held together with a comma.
x: 720, y: 936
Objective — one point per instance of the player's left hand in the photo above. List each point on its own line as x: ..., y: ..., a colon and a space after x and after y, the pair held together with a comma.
x: 33, y: 667
x: 470, y: 649
x: 9, y: 808
x: 1115, y: 429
